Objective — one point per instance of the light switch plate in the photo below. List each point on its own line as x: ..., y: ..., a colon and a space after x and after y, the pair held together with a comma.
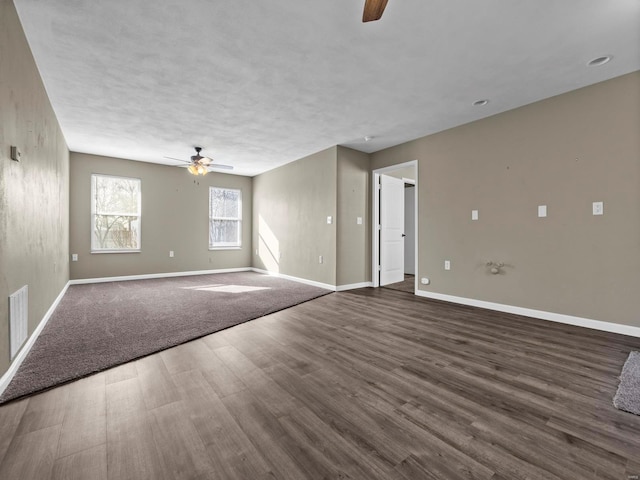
x: 329, y: 220
x: 170, y: 253
x: 542, y: 210
x: 74, y: 257
x: 447, y: 265
x: 474, y: 214
x: 359, y: 220
x: 598, y: 208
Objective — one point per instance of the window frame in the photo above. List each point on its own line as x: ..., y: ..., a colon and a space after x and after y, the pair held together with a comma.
x: 227, y: 245
x: 97, y: 249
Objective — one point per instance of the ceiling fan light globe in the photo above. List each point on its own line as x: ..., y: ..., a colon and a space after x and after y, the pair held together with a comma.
x: 192, y: 170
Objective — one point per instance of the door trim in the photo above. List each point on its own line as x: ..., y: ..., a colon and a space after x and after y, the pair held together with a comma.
x: 375, y: 221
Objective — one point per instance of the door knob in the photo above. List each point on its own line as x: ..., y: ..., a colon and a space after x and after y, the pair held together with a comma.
x: 403, y: 235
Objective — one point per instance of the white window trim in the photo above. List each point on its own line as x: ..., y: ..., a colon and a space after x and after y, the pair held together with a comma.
x: 93, y: 213
x: 231, y: 246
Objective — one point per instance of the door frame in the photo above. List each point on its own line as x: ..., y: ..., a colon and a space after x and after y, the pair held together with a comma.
x: 375, y: 221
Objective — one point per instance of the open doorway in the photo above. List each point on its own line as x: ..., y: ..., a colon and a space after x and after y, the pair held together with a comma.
x: 395, y: 219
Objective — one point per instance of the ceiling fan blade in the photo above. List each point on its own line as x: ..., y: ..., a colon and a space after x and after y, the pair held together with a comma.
x: 373, y: 10
x: 220, y: 167
x: 177, y: 159
x: 204, y: 161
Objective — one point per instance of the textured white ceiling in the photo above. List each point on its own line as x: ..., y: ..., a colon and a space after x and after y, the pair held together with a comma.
x: 262, y: 83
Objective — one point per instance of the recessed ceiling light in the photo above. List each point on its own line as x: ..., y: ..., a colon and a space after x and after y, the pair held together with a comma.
x: 596, y: 62
x: 480, y: 103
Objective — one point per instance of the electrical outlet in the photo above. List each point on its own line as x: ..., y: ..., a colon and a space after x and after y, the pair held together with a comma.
x: 474, y: 214
x: 170, y: 253
x: 329, y: 220
x: 320, y: 259
x: 447, y: 265
x: 74, y: 257
x: 359, y: 220
x: 425, y: 281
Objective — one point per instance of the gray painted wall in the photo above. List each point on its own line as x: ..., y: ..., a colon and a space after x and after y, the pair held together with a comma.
x: 353, y: 240
x: 175, y: 216
x: 565, y: 152
x: 34, y: 194
x: 290, y: 209
x: 410, y: 229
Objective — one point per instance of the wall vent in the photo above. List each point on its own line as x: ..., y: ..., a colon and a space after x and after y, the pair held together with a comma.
x: 18, y: 318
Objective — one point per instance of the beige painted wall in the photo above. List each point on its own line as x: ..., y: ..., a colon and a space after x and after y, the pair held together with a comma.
x: 290, y: 209
x: 565, y: 152
x: 353, y: 240
x: 175, y: 216
x: 33, y: 193
x: 405, y: 172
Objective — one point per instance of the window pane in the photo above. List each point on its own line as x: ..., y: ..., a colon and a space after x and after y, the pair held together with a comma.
x: 116, y: 195
x: 115, y: 213
x: 225, y: 217
x: 224, y: 233
x: 115, y: 232
x: 224, y: 203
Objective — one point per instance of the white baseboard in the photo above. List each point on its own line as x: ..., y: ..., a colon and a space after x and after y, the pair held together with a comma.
x: 541, y: 314
x: 351, y: 286
x: 296, y: 279
x: 22, y: 354
x: 81, y: 281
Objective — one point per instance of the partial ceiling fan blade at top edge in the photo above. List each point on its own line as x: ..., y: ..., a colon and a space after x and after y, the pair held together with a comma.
x: 373, y: 10
x: 177, y: 159
x: 219, y: 166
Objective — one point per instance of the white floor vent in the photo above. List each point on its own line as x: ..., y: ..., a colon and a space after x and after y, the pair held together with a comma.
x: 18, y: 318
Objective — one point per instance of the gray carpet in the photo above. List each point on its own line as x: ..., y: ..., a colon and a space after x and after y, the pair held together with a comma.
x: 98, y: 326
x: 628, y: 395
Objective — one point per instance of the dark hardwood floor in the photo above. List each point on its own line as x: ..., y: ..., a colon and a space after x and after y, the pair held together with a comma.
x: 367, y: 384
x: 408, y: 285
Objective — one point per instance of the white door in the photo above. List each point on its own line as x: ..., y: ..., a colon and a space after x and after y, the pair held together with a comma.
x: 391, y: 230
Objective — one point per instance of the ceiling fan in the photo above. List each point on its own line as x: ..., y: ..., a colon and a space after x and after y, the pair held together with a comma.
x: 373, y: 10
x: 199, y: 165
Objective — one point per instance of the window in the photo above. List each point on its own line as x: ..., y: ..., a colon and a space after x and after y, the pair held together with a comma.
x: 225, y: 218
x: 115, y: 214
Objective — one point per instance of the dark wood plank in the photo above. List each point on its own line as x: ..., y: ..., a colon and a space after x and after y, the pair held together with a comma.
x: 181, y: 449
x: 155, y: 381
x: 131, y: 448
x: 367, y: 384
x: 31, y: 455
x: 90, y: 463
x: 265, y: 433
x: 10, y: 416
x: 44, y: 410
x: 232, y: 453
x: 85, y: 419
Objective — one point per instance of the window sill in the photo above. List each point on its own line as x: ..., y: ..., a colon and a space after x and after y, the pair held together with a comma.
x: 114, y: 251
x: 224, y: 248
